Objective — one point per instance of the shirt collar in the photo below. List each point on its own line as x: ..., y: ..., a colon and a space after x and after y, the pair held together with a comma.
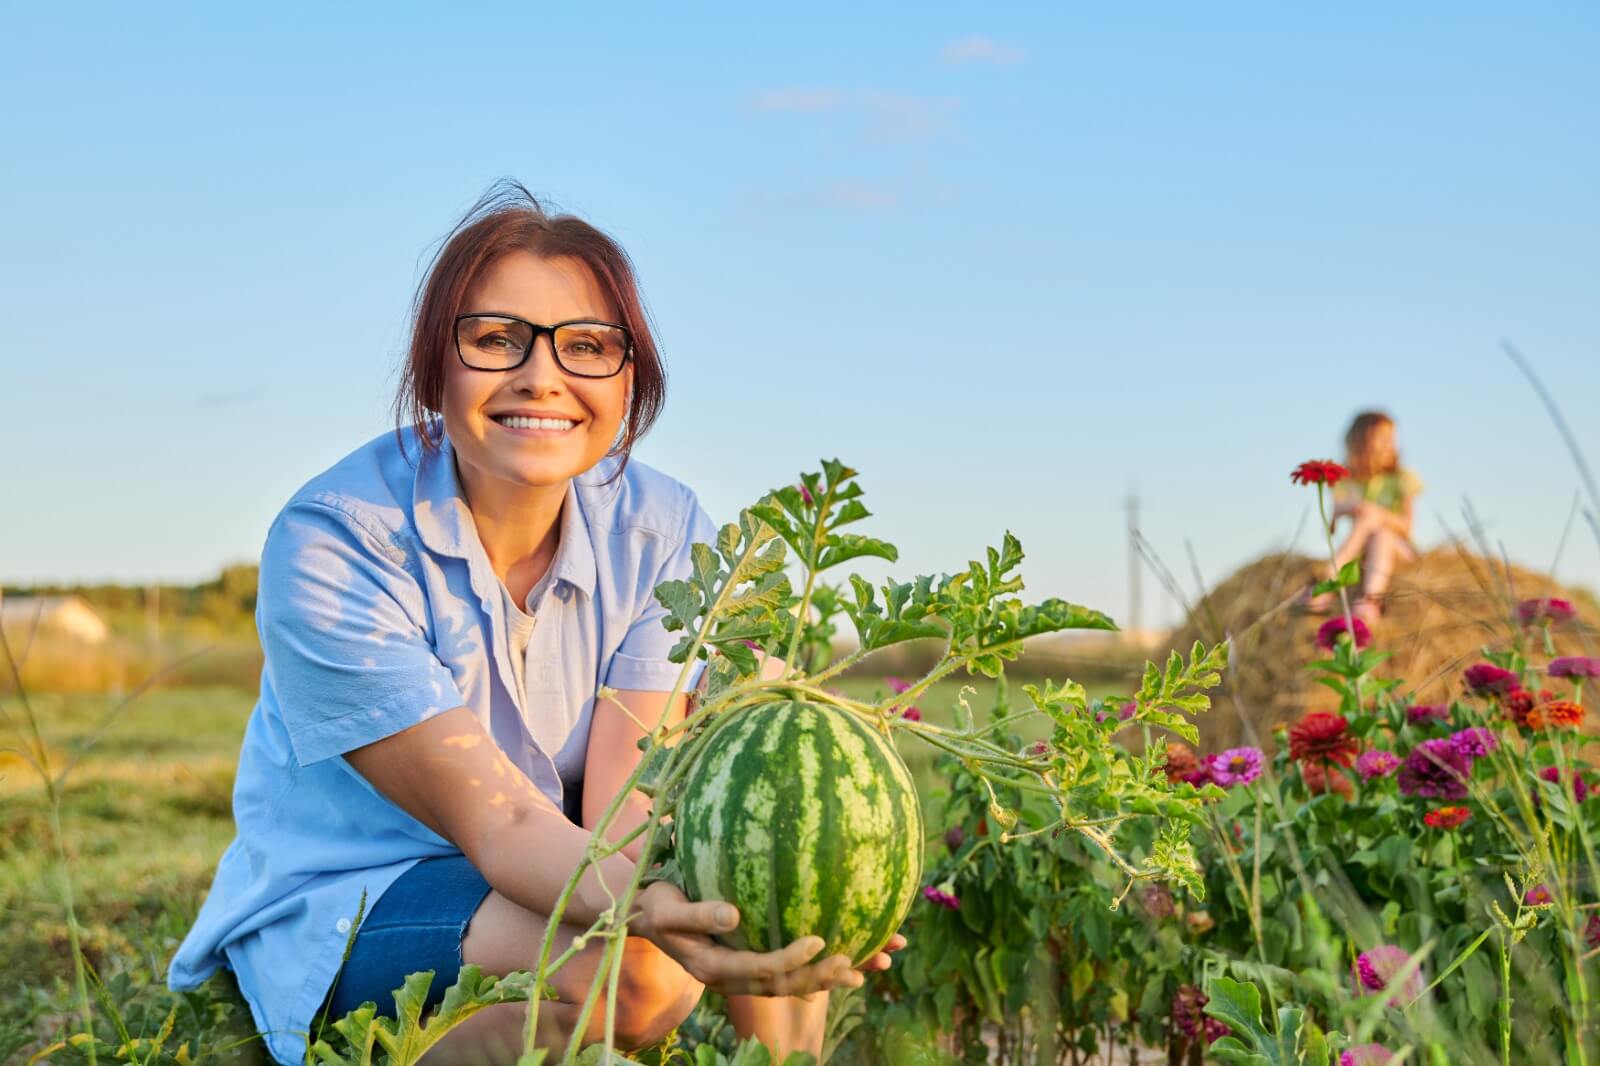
x: 443, y: 521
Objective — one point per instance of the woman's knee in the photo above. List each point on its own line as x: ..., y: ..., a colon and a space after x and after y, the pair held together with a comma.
x: 654, y: 994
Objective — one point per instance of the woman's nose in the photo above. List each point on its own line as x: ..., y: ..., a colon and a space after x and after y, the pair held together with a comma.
x: 539, y: 371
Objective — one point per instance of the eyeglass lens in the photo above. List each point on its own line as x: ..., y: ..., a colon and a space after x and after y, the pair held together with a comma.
x: 589, y: 349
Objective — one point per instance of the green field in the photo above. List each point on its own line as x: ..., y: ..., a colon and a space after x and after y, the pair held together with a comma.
x: 146, y: 814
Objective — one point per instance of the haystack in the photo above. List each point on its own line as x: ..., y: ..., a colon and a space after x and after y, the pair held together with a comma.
x: 1441, y: 611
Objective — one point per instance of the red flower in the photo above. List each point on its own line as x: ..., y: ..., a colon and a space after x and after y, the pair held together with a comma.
x: 1320, y: 777
x: 1318, y: 472
x: 1446, y: 817
x: 1181, y: 762
x: 1322, y: 735
x: 1557, y: 714
x: 1489, y: 679
x: 1329, y: 632
x: 1520, y: 704
x: 1591, y: 930
x: 1554, y: 609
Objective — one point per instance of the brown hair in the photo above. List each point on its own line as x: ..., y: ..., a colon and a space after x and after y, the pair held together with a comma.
x: 1358, y: 439
x: 508, y: 218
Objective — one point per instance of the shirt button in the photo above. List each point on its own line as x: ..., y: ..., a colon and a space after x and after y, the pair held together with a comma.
x: 343, y: 925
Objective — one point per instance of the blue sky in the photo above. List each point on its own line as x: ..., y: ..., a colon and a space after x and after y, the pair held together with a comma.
x: 1201, y: 236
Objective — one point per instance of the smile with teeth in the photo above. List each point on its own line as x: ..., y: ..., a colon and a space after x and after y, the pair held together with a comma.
x: 521, y: 422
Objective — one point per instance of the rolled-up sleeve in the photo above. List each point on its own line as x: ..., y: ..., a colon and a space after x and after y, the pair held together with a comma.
x: 640, y: 663
x: 344, y: 634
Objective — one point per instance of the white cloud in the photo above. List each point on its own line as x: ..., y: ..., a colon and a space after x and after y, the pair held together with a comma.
x: 981, y: 50
x: 798, y: 99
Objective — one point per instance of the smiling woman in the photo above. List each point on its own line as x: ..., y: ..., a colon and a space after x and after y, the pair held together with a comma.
x: 439, y: 614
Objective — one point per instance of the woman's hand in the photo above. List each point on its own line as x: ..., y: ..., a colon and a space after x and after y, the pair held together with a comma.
x: 684, y: 931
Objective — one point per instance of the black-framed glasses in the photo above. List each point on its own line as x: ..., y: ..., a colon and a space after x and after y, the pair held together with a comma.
x: 583, y: 347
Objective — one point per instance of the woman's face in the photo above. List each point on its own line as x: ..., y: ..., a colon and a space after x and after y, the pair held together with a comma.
x: 477, y: 402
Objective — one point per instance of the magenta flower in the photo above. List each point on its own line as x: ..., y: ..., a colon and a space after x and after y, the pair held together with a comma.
x: 1489, y: 679
x: 1424, y: 713
x: 941, y: 897
x: 1574, y: 666
x: 1366, y: 1055
x: 1329, y: 632
x: 1580, y: 788
x: 1591, y: 930
x: 1376, y: 763
x: 1376, y: 970
x: 954, y: 837
x: 805, y: 493
x: 1530, y: 612
x: 1436, y: 769
x: 1236, y: 766
x: 1474, y: 742
x: 1190, y: 1019
x: 897, y: 686
x: 1538, y: 896
x: 911, y: 714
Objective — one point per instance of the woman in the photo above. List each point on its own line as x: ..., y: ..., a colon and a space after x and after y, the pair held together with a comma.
x: 1378, y: 498
x: 437, y: 612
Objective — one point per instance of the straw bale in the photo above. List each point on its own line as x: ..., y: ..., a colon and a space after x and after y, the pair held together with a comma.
x: 1441, y: 611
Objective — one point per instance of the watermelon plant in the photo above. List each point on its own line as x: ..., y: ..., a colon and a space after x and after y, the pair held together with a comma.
x: 760, y: 759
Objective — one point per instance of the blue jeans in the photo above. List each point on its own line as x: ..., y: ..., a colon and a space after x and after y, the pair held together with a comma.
x: 418, y: 924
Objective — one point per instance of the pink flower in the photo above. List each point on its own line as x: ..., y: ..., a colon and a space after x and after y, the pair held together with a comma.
x: 897, y: 686
x: 1436, y: 769
x: 954, y: 837
x: 942, y: 898
x: 1329, y: 632
x: 1236, y: 766
x: 1376, y: 763
x: 1423, y: 713
x: 911, y: 714
x: 1591, y: 930
x: 805, y: 493
x: 1038, y: 747
x: 1474, y: 742
x: 1376, y: 970
x: 1366, y: 1055
x: 1574, y: 666
x: 1530, y: 612
x: 1489, y: 679
x: 1538, y: 896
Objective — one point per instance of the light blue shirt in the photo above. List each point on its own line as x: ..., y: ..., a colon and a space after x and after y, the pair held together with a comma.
x: 378, y: 609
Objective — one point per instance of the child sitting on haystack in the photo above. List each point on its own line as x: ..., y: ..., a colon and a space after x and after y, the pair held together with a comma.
x: 1377, y: 497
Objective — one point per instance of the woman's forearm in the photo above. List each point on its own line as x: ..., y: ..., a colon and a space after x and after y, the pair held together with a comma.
x: 783, y: 1023
x: 529, y: 861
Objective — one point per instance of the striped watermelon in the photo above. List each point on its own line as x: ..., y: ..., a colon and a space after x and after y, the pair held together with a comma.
x: 806, y: 819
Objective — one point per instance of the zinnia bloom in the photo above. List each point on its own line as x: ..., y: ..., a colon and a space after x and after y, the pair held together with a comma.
x: 1318, y: 472
x: 1591, y: 930
x: 1376, y: 763
x: 1322, y: 735
x: 1574, y: 666
x: 1475, y: 742
x: 1489, y: 679
x: 805, y: 493
x: 1236, y: 766
x: 954, y: 837
x: 1538, y: 896
x: 897, y: 686
x: 1530, y: 612
x: 1320, y: 777
x: 1520, y: 704
x: 1366, y: 1055
x: 1376, y: 970
x: 911, y: 714
x: 1329, y: 632
x: 1557, y: 714
x: 1424, y: 713
x: 1446, y: 817
x: 1580, y: 787
x: 1437, y: 770
x: 942, y: 897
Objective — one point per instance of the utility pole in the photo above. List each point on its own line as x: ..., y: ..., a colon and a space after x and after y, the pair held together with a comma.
x: 1135, y: 564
